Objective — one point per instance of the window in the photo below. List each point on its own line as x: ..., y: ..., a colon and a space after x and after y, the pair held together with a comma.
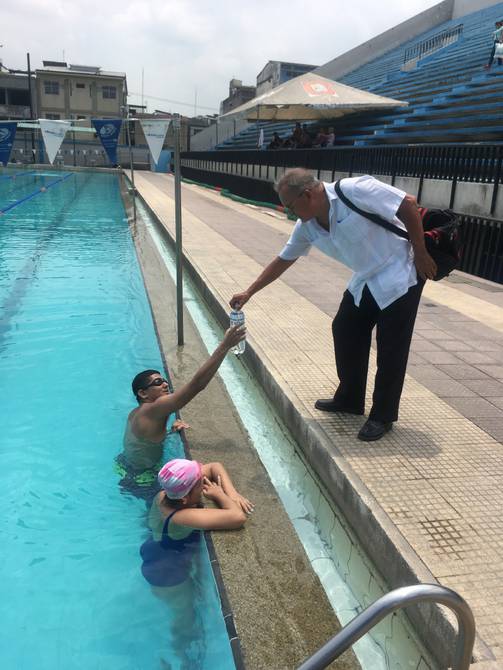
x: 80, y: 85
x: 51, y: 87
x: 109, y: 92
x: 53, y: 117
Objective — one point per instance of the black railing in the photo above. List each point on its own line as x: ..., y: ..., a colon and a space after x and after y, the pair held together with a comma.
x: 460, y: 162
x: 432, y: 44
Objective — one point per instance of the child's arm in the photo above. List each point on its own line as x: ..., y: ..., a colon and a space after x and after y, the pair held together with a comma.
x: 214, y: 471
x: 230, y: 515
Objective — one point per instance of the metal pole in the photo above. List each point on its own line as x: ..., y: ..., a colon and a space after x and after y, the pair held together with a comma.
x: 178, y: 228
x: 31, y: 107
x: 402, y: 597
x: 131, y: 166
x: 74, y: 150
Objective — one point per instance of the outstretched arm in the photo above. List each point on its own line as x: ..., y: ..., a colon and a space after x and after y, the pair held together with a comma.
x: 167, y: 404
x: 271, y: 272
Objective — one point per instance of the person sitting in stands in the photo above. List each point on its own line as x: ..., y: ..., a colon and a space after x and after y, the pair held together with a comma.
x: 497, y: 39
x: 276, y: 142
x: 330, y: 137
x: 321, y: 138
x: 146, y: 432
x: 296, y: 136
x: 306, y: 141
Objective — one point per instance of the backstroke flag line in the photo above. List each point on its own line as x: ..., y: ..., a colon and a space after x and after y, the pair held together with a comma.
x: 7, y: 135
x: 108, y: 131
x: 53, y: 133
x: 155, y: 131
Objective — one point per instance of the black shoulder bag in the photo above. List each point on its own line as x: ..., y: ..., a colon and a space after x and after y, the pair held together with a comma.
x: 442, y: 233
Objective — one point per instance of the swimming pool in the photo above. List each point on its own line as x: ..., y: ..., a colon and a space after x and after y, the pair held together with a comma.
x: 75, y: 326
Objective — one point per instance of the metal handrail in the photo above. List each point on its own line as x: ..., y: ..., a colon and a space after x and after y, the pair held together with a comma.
x: 402, y: 597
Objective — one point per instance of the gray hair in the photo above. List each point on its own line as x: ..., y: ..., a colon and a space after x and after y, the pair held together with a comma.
x: 296, y: 179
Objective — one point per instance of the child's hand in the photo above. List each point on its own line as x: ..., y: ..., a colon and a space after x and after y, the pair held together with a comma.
x: 247, y: 506
x: 179, y: 425
x: 213, y: 490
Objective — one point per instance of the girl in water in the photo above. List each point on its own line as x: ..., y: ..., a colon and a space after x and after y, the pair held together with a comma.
x: 176, y: 520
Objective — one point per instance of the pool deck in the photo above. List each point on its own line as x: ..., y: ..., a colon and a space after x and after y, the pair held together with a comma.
x: 426, y: 501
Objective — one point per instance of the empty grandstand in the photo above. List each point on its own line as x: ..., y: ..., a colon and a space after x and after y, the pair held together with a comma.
x: 439, y: 72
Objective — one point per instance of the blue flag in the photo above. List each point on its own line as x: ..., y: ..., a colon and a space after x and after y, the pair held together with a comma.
x: 108, y: 131
x: 7, y: 135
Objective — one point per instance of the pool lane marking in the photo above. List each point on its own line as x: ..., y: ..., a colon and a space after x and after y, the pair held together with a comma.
x: 17, y: 174
x: 40, y: 190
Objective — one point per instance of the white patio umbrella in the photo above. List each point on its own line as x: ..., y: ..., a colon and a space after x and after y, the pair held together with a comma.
x: 311, y: 97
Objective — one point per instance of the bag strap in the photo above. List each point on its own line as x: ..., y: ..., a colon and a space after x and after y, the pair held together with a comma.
x: 368, y: 215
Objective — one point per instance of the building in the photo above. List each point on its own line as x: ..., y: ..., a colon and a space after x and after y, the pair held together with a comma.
x: 15, y: 96
x: 238, y: 95
x: 277, y: 72
x: 79, y: 92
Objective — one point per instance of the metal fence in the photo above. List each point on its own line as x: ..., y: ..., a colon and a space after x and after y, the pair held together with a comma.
x: 433, y: 43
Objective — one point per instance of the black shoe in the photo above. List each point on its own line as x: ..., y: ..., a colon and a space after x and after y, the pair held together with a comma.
x: 332, y: 405
x: 373, y: 430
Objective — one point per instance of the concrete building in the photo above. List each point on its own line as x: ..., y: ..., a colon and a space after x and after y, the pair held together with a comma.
x: 238, y: 95
x: 277, y: 72
x: 79, y: 92
x: 15, y: 96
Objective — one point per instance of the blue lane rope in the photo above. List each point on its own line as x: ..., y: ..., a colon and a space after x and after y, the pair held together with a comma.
x: 35, y: 193
x: 17, y: 174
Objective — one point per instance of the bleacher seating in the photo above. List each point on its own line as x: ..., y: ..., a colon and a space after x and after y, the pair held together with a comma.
x: 451, y: 97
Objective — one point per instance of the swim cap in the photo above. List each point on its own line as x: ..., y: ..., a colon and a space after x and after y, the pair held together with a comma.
x: 178, y: 477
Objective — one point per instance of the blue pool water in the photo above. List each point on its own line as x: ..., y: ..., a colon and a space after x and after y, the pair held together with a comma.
x: 75, y: 327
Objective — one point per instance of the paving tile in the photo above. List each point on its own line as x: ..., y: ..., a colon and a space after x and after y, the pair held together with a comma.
x: 461, y: 371
x: 456, y: 345
x: 485, y: 388
x: 426, y: 371
x: 497, y: 401
x: 476, y: 407
x: 493, y: 426
x: 451, y: 388
x: 438, y: 356
x: 475, y: 357
x: 495, y: 371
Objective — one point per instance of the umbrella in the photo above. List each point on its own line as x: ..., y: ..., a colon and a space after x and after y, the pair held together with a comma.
x: 310, y: 97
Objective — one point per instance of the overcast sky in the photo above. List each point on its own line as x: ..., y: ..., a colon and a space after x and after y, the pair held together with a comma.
x: 185, y: 45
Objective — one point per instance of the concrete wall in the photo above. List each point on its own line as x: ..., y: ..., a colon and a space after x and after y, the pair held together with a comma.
x: 381, y: 44
x: 462, y: 7
x: 217, y: 133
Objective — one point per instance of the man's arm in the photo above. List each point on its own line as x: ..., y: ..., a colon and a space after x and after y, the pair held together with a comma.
x: 408, y: 212
x: 274, y: 270
x: 166, y: 405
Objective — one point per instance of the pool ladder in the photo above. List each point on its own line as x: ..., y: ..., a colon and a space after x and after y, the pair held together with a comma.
x: 394, y: 600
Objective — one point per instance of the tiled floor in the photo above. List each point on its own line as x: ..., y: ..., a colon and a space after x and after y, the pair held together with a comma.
x: 445, y: 456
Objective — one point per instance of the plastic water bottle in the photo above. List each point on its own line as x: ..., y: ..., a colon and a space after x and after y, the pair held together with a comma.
x: 237, y: 318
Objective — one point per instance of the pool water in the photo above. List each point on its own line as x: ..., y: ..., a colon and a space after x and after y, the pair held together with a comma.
x: 75, y: 326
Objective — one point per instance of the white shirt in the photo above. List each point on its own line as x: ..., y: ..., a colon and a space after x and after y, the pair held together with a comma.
x: 378, y: 258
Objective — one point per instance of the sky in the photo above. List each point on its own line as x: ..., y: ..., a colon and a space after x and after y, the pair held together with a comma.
x: 189, y: 50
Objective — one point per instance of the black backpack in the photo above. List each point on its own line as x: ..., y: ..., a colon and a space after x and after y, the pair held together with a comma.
x: 442, y: 233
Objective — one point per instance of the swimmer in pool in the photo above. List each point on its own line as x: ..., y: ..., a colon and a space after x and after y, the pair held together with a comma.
x: 146, y: 431
x: 176, y: 520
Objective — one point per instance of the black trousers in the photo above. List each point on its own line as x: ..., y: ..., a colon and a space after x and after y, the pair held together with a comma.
x: 352, y: 331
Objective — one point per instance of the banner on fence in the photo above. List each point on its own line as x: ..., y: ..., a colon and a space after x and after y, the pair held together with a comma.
x: 7, y: 135
x: 53, y: 134
x: 155, y: 131
x: 108, y: 131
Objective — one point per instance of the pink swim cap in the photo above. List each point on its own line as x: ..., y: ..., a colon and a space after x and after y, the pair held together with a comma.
x: 178, y: 477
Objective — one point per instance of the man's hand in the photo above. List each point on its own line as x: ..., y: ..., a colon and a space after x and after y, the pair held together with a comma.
x: 425, y: 265
x: 239, y: 299
x: 233, y: 336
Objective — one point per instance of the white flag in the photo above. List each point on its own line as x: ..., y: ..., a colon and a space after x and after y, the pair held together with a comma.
x: 53, y: 133
x: 261, y: 138
x: 155, y: 131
